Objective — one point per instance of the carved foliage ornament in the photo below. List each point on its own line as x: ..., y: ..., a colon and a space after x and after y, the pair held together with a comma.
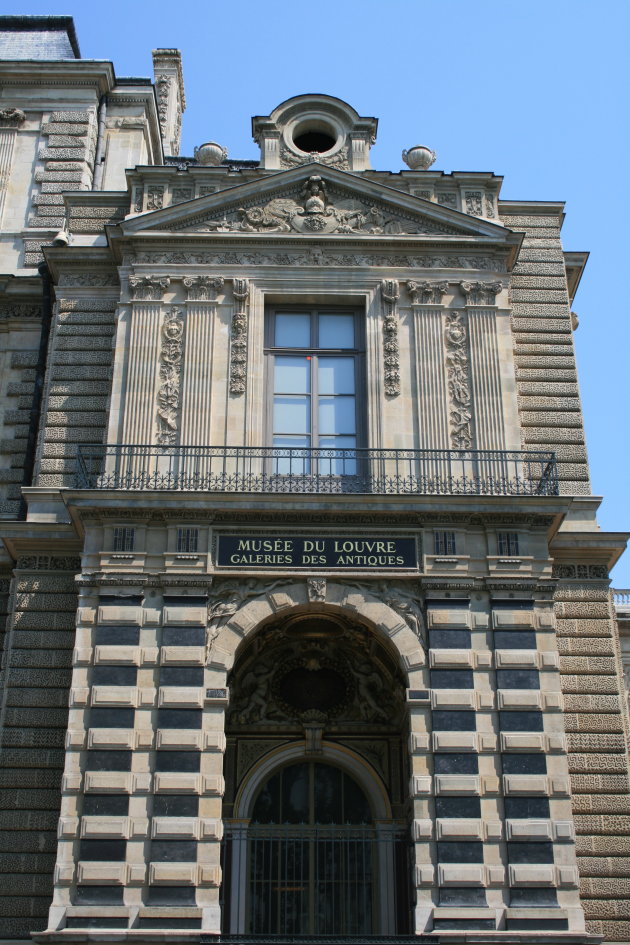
x: 202, y: 288
x: 238, y: 346
x: 580, y: 572
x: 315, y: 213
x: 12, y: 117
x: 163, y: 84
x: 480, y: 293
x: 423, y: 293
x: 168, y: 395
x: 289, y: 158
x: 390, y: 291
x: 458, y: 379
x: 148, y: 288
x: 315, y: 256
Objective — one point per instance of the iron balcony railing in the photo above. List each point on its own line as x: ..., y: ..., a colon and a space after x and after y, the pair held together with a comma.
x: 265, y: 469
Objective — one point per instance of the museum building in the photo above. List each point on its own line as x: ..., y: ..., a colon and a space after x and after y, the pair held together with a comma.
x: 308, y: 622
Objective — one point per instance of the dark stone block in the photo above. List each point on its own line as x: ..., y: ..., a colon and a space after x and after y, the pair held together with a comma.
x: 34, y: 737
x: 29, y: 820
x: 514, y: 640
x: 121, y: 600
x: 452, y: 925
x: 96, y: 922
x: 179, y: 718
x: 18, y: 906
x: 452, y: 679
x: 111, y: 717
x: 449, y: 639
x: 29, y: 799
x: 114, y: 676
x: 26, y: 884
x: 183, y: 636
x: 185, y: 761
x: 171, y: 896
x: 108, y: 760
x: 457, y: 806
x: 186, y: 922
x: 192, y: 600
x: 529, y: 721
x: 98, y: 896
x: 448, y: 603
x: 462, y: 763
x: 27, y: 758
x: 526, y: 808
x: 534, y: 897
x: 173, y: 851
x: 456, y: 720
x: 117, y: 636
x: 460, y: 851
x: 44, y: 717
x: 175, y: 805
x: 181, y: 676
x: 105, y: 805
x: 536, y: 925
x: 518, y: 679
x: 524, y: 764
x: 508, y: 604
x: 463, y: 896
x: 107, y: 851
x: 538, y: 851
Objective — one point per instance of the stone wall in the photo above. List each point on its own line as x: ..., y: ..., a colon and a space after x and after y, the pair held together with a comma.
x: 36, y: 673
x: 596, y: 724
x: 547, y: 387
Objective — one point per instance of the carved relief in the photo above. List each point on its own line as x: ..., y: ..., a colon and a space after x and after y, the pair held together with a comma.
x: 48, y: 563
x: 473, y: 202
x: 12, y: 117
x: 490, y: 206
x: 20, y: 310
x: 238, y: 346
x: 168, y: 395
x: 148, y: 288
x: 316, y: 589
x: 580, y: 572
x: 423, y: 293
x: 390, y: 291
x: 457, y: 371
x: 480, y: 293
x: 316, y: 213
x: 315, y: 256
x: 138, y: 199
x: 162, y: 85
x: 155, y: 198
x: 289, y: 158
x: 202, y: 288
x: 181, y: 194
x: 448, y: 200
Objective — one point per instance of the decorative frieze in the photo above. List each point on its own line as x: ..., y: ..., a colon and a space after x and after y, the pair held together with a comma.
x: 48, y: 563
x: 148, y: 288
x: 315, y: 256
x: 423, y: 293
x: 162, y: 88
x: 458, y: 379
x: 473, y: 203
x: 390, y: 291
x: 480, y: 293
x: 238, y: 347
x: 580, y: 572
x: 202, y: 288
x: 168, y: 395
x: 155, y: 198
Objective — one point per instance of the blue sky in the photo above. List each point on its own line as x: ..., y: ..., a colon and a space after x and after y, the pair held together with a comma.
x: 534, y: 91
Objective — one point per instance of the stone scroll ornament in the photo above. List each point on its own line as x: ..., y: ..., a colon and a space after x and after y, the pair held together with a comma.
x: 168, y: 395
x: 390, y: 291
x: 458, y: 380
x: 238, y: 352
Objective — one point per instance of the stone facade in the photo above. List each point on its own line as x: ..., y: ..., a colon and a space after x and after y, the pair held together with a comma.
x: 301, y: 564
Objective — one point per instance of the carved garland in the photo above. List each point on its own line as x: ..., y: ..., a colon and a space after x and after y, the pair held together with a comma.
x: 168, y: 394
x: 457, y: 370
x: 238, y: 352
x: 390, y: 291
x: 163, y: 84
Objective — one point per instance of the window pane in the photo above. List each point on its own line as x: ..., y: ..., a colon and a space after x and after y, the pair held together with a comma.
x: 337, y: 415
x: 292, y: 464
x: 336, y: 331
x: 292, y: 376
x: 293, y: 331
x: 291, y: 415
x: 336, y: 375
x: 341, y: 463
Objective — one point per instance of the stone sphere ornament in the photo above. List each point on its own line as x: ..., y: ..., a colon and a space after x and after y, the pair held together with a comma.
x: 419, y: 158
x: 211, y: 154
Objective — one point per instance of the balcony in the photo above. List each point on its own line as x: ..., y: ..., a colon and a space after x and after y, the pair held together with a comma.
x: 300, y: 471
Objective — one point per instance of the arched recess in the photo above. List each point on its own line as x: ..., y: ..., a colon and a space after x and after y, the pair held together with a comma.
x: 322, y: 681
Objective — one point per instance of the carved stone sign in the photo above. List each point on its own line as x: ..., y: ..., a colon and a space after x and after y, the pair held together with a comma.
x: 289, y: 551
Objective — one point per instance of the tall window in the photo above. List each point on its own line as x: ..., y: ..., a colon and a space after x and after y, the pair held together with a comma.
x: 315, y: 361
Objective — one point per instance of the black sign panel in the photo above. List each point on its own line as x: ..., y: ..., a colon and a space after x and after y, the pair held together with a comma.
x: 284, y: 551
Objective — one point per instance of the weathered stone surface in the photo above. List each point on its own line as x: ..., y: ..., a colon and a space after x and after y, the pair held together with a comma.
x: 35, y: 738
x: 601, y: 804
x: 597, y: 762
x: 600, y: 783
x: 87, y: 357
x: 590, y: 684
x: 597, y: 722
x: 574, y: 646
x: 604, y: 866
x: 613, y: 931
x: 602, y: 823
x: 534, y: 418
x: 582, y: 610
x: 86, y: 305
x: 591, y: 703
x: 37, y: 697
x: 588, y: 627
x: 596, y: 742
x: 602, y: 846
x: 588, y: 664
x: 28, y: 820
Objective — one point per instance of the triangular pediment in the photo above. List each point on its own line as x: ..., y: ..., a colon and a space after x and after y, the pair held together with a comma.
x: 313, y: 200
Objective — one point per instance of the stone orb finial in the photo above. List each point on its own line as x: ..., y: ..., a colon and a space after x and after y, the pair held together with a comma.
x: 211, y: 154
x: 419, y: 158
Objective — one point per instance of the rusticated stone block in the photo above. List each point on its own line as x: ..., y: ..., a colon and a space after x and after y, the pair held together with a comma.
x: 611, y: 930
x: 533, y: 254
x: 27, y: 884
x: 42, y: 600
x: 33, y: 799
x: 79, y: 388
x: 39, y: 678
x: 604, y: 865
x: 583, y: 609
x: 78, y: 117
x: 588, y: 664
x: 52, y: 698
x: 58, y: 418
x: 590, y: 591
x: 77, y: 436
x: 27, y: 778
x: 597, y: 762
x: 575, y: 471
x: 577, y: 627
x: 37, y: 717
x: 542, y: 389
x: 597, y: 722
x: 87, y: 357
x: 550, y: 402
x: 603, y: 888
x: 609, y: 908
x: 67, y: 332
x: 602, y: 846
x: 67, y: 141
x: 87, y: 305
x: 34, y: 737
x: 602, y: 823
x: 599, y: 742
x: 16, y: 906
x: 35, y: 620
x: 590, y: 684
x: 535, y: 418
x: 583, y: 646
x: 80, y: 371
x: 542, y: 295
x: 28, y: 820
x: 601, y: 804
x: 552, y: 435
x: 58, y: 583
x: 101, y: 319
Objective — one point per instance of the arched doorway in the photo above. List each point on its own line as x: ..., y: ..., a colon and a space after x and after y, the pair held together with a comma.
x: 316, y: 809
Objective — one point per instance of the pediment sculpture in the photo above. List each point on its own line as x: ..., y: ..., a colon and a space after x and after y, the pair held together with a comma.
x: 316, y: 212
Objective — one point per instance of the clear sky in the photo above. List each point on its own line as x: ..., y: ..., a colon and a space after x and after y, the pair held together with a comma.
x: 537, y: 92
